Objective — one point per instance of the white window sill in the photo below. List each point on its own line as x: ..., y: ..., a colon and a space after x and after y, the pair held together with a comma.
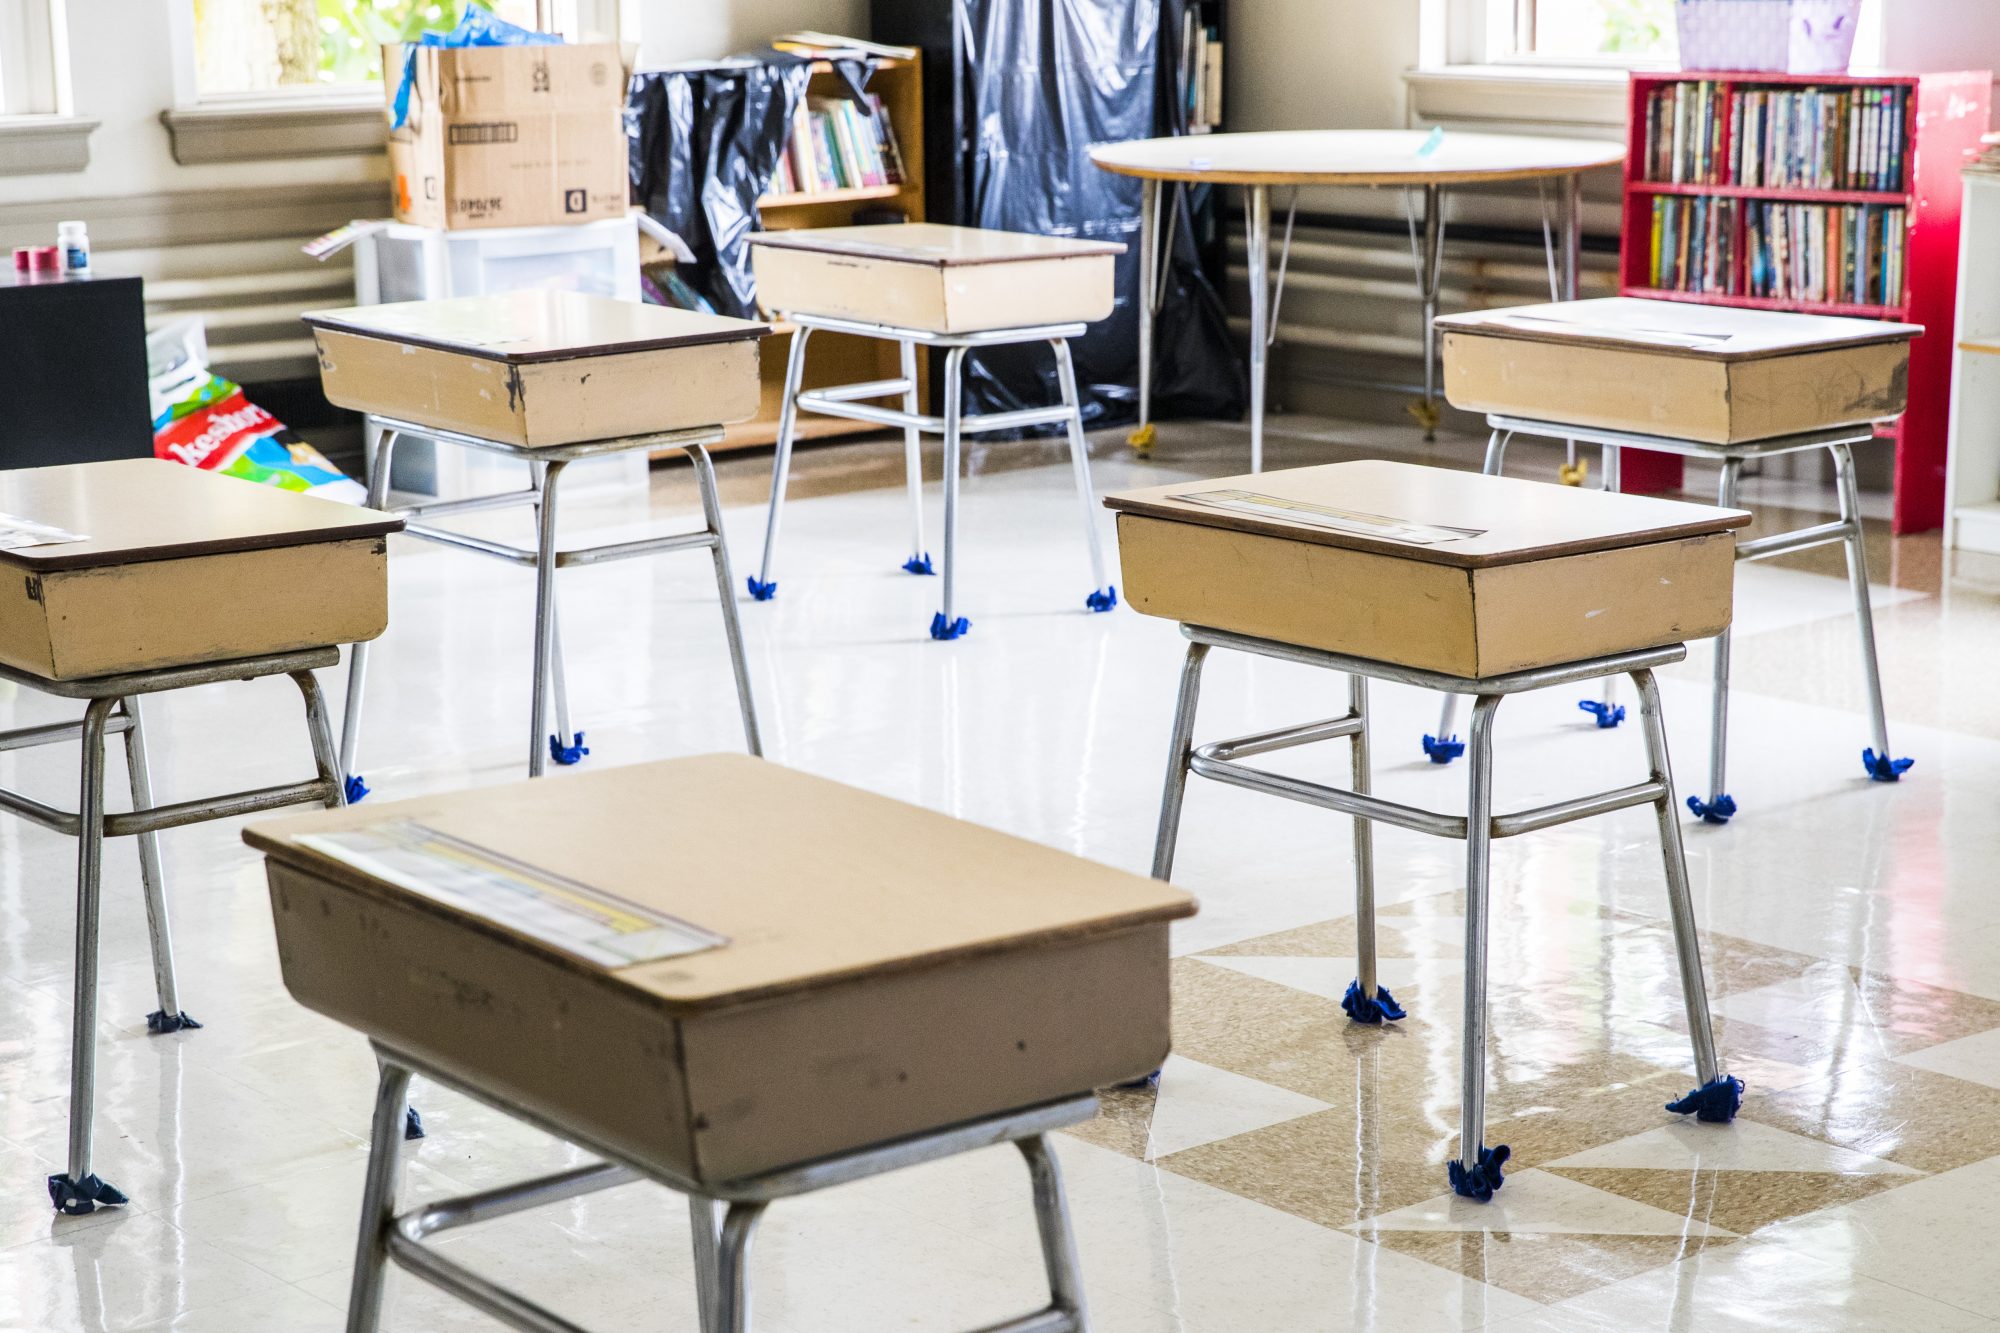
x: 1558, y: 96
x: 42, y: 145
x: 256, y: 129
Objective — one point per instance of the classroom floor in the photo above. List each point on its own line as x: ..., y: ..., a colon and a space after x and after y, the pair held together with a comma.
x: 1288, y: 1173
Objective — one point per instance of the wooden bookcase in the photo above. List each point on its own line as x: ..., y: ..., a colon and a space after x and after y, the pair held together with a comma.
x: 836, y: 358
x: 1945, y: 115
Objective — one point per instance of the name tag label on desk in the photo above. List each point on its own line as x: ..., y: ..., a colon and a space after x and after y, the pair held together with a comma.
x: 1333, y: 520
x: 587, y: 922
x: 16, y: 533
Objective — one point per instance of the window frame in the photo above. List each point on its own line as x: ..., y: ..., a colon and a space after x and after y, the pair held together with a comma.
x: 34, y: 58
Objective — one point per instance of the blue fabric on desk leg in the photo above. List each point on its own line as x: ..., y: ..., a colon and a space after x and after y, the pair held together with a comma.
x: 1607, y: 715
x: 572, y: 753
x: 1884, y: 769
x: 1715, y: 1102
x: 1363, y: 1009
x: 356, y: 789
x: 1103, y: 599
x: 1717, y: 811
x: 77, y: 1197
x: 1443, y: 749
x: 941, y: 629
x: 160, y: 1022
x: 919, y: 564
x: 761, y: 591
x: 1484, y: 1180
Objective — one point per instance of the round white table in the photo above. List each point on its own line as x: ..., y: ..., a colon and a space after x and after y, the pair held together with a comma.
x: 1430, y: 161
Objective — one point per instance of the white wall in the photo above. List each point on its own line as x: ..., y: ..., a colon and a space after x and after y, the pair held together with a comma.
x: 671, y: 31
x: 1941, y: 34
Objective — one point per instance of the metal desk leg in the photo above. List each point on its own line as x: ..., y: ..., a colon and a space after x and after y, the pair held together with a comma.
x: 1102, y: 595
x: 168, y: 1017
x: 1572, y: 289
x: 913, y: 463
x: 725, y: 584
x: 325, y: 759
x: 1179, y: 755
x: 732, y: 1282
x: 1606, y: 709
x: 1717, y: 1095
x: 1430, y: 263
x: 572, y: 750
x: 545, y: 609
x: 1058, y: 1239
x: 1477, y: 1172
x: 944, y: 625
x: 1367, y: 999
x: 764, y: 587
x: 1719, y: 806
x: 78, y: 1191
x: 1142, y: 435
x: 378, y: 1199
x: 1881, y: 766
x: 1257, y: 234
x: 379, y: 468
x: 705, y: 1220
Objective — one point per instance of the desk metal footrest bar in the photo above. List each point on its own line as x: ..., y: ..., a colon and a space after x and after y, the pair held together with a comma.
x: 721, y: 1249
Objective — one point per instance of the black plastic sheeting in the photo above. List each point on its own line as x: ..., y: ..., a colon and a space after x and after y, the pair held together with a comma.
x: 704, y: 144
x: 1048, y: 79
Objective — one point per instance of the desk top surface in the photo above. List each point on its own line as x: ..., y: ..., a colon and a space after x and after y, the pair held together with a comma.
x: 934, y: 243
x: 531, y: 326
x: 1354, y: 157
x: 1678, y: 328
x: 131, y: 510
x: 1512, y: 521
x: 811, y: 881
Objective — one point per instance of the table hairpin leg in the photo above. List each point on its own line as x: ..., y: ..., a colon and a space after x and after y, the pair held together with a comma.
x: 565, y: 745
x: 1103, y: 596
x: 764, y: 585
x: 945, y: 624
x: 1142, y: 436
x: 1877, y: 760
x: 1427, y: 251
x: 1257, y: 240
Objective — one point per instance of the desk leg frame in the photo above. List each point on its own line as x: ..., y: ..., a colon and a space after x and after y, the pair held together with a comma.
x: 1477, y: 1171
x: 78, y: 1190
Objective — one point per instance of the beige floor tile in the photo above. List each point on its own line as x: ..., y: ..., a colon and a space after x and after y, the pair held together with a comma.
x: 1545, y: 1266
x: 1928, y: 1121
x: 1738, y: 1201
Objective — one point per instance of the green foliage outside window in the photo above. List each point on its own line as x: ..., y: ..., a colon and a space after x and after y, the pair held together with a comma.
x: 1636, y: 27
x: 352, y: 32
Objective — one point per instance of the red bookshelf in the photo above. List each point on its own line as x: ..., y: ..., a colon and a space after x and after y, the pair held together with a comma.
x: 1943, y: 117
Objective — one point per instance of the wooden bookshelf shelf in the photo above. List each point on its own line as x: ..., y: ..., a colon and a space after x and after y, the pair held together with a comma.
x: 1944, y: 115
x: 1787, y: 194
x: 1847, y: 308
x: 855, y: 195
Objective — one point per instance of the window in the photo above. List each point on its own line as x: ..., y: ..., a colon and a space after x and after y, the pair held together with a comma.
x: 278, y: 46
x: 33, y: 58
x: 1588, y: 31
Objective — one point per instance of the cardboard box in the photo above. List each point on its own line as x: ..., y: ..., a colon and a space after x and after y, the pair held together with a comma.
x: 509, y: 136
x: 1705, y: 373
x: 1556, y: 574
x: 178, y: 566
x: 540, y: 368
x: 940, y: 279
x: 887, y: 970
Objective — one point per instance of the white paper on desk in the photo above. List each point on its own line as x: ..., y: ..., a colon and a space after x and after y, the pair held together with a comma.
x: 1333, y: 520
x: 1621, y: 332
x: 16, y: 533
x: 593, y: 925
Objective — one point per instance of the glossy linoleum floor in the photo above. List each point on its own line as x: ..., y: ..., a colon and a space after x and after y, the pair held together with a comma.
x: 1288, y: 1174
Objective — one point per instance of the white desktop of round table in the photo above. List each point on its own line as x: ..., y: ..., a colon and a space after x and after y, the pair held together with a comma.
x: 1405, y: 159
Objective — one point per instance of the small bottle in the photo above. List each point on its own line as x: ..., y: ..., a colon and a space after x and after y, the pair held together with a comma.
x: 73, y: 239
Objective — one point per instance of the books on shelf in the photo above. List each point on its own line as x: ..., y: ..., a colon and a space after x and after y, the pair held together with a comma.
x: 1848, y: 254
x: 1852, y: 137
x: 1201, y: 72
x: 832, y: 46
x: 1694, y: 244
x: 837, y: 144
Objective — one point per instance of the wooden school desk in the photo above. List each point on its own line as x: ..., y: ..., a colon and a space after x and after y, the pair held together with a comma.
x: 1449, y: 581
x: 1703, y: 382
x: 738, y: 1008
x: 135, y: 577
x: 1429, y: 162
x: 545, y: 378
x: 961, y: 289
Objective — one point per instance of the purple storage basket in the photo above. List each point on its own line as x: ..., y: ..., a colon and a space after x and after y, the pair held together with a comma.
x: 1785, y: 36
